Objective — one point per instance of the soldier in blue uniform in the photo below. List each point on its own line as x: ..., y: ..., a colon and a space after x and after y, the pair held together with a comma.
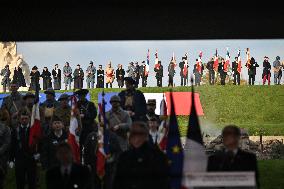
x: 67, y: 71
x: 90, y: 74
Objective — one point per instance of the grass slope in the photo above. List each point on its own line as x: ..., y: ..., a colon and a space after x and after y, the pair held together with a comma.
x: 259, y: 109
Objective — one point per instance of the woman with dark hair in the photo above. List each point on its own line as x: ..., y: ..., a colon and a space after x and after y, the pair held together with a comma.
x: 46, y: 76
x: 18, y: 77
x: 35, y: 75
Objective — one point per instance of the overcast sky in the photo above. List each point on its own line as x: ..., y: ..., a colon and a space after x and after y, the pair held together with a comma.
x: 122, y: 52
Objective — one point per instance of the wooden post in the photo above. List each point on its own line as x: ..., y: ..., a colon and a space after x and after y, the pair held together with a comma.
x: 261, y: 144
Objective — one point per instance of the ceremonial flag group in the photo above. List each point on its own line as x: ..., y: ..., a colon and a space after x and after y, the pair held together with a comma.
x: 190, y: 159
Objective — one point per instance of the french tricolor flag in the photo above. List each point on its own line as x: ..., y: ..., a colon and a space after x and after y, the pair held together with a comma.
x: 156, y: 59
x: 35, y: 133
x: 227, y: 62
x: 239, y: 62
x: 216, y: 61
x: 73, y: 138
x: 147, y: 63
x: 195, y: 158
x: 163, y: 129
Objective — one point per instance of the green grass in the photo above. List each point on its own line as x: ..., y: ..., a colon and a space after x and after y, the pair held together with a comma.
x: 270, y: 175
x: 259, y: 109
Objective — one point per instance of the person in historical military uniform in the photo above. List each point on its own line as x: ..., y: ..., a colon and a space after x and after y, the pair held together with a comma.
x: 222, y: 72
x: 56, y: 73
x: 78, y: 77
x: 151, y: 108
x: 46, y: 78
x: 143, y: 165
x: 211, y: 71
x: 131, y: 70
x: 67, y: 71
x: 88, y: 114
x: 232, y: 158
x: 100, y: 77
x: 120, y: 73
x: 183, y: 71
x: 119, y: 121
x: 159, y: 73
x: 35, y: 76
x: 109, y: 75
x: 277, y: 71
x: 266, y: 74
x: 171, y: 74
x: 90, y: 75
x: 47, y: 109
x: 22, y: 154
x: 51, y: 141
x: 63, y: 111
x: 13, y: 103
x: 29, y: 101
x: 252, y: 70
x: 236, y: 74
x: 197, y: 71
x: 133, y: 101
x: 19, y: 77
x: 5, y: 73
x: 137, y: 74
x: 144, y: 74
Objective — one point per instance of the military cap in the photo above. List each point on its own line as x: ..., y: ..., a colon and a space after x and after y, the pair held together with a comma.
x: 266, y: 57
x: 28, y: 95
x: 143, y: 61
x: 277, y: 57
x: 34, y: 68
x: 56, y: 118
x: 91, y: 62
x: 151, y: 102
x: 64, y: 96
x: 130, y: 80
x: 115, y: 98
x: 50, y: 91
x: 82, y: 92
x: 78, y: 64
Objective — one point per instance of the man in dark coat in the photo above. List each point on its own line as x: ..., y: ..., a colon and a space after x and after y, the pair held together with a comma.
x: 23, y: 154
x: 171, y: 74
x: 100, y: 77
x: 143, y: 165
x: 159, y: 73
x: 211, y: 71
x: 46, y: 78
x: 51, y: 141
x: 5, y: 73
x: 119, y: 74
x: 183, y: 71
x: 222, y: 72
x: 198, y: 71
x: 133, y: 101
x: 67, y: 71
x: 67, y: 174
x: 88, y: 114
x: 35, y: 76
x: 232, y: 158
x: 56, y: 73
x: 266, y: 74
x: 252, y: 70
x: 236, y: 74
x: 151, y: 108
x: 78, y: 77
x: 144, y: 74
